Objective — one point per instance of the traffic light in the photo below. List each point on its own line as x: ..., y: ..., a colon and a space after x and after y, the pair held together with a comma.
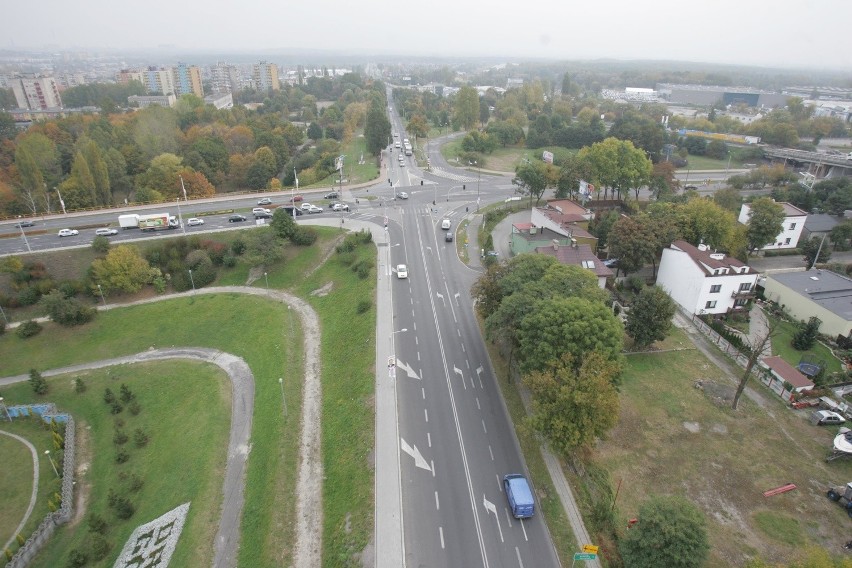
x: 463, y: 187
x: 421, y: 182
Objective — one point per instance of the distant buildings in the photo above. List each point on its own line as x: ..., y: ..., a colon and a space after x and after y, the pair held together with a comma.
x: 180, y: 80
x: 144, y: 101
x: 264, y: 76
x: 225, y: 78
x: 36, y: 93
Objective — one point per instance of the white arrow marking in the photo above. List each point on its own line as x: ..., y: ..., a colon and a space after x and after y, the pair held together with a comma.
x: 489, y: 506
x: 408, y: 370
x: 442, y: 297
x: 456, y: 295
x: 479, y: 376
x: 459, y: 373
x: 419, y: 461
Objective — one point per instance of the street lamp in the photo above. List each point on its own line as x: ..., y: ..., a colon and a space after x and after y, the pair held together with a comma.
x: 391, y: 339
x: 293, y: 192
x: 24, y: 234
x: 478, y: 176
x: 283, y: 398
x: 180, y: 217
x: 56, y: 471
x: 5, y: 410
x: 102, y: 294
x: 192, y: 280
x: 267, y: 282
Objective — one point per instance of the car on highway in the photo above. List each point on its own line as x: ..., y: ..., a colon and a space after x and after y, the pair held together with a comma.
x: 305, y: 206
x: 401, y: 195
x: 448, y: 237
x: 236, y: 218
x: 332, y: 195
x: 519, y: 495
x: 68, y: 232
x: 396, y: 145
x: 401, y: 271
x: 314, y: 209
x: 106, y: 232
x: 23, y: 224
x: 292, y: 211
x: 340, y: 207
x: 193, y: 221
x: 295, y: 198
x: 446, y: 224
x: 264, y: 201
x: 260, y: 210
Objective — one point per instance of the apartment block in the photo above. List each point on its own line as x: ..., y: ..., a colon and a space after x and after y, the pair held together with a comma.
x: 225, y: 78
x: 187, y: 80
x: 36, y: 93
x: 264, y: 76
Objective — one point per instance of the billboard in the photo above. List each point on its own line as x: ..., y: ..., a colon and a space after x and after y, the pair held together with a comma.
x: 547, y: 156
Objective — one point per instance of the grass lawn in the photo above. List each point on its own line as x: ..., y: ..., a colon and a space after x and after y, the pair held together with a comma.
x: 782, y: 345
x: 181, y: 403
x: 673, y: 438
x: 16, y: 483
x: 705, y: 163
x: 353, y: 171
x: 502, y: 159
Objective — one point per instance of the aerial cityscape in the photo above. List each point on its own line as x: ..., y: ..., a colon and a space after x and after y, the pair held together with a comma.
x: 487, y: 287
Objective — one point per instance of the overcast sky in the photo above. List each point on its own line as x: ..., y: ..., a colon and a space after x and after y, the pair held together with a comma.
x: 810, y: 34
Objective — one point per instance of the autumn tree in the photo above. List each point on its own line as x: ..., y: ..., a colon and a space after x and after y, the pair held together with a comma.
x: 533, y: 178
x: 418, y: 126
x: 123, y: 270
x: 671, y: 532
x: 262, y: 169
x: 100, y: 173
x: 708, y: 223
x: 765, y: 223
x: 650, y: 316
x: 466, y: 108
x: 32, y: 182
x: 572, y: 406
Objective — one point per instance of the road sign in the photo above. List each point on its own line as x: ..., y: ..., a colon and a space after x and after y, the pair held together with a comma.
x: 585, y: 556
x: 590, y: 548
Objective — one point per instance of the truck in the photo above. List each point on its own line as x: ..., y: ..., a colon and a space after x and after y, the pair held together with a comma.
x: 148, y: 222
x: 519, y: 495
x: 842, y: 496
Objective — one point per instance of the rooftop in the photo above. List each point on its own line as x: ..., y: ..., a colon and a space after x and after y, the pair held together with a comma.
x: 709, y: 261
x: 787, y: 372
x: 823, y: 287
x: 580, y: 255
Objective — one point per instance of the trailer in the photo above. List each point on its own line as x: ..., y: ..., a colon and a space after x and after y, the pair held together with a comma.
x: 842, y: 496
x: 148, y: 222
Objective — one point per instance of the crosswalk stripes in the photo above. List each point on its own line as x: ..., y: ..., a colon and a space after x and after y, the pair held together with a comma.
x: 457, y: 177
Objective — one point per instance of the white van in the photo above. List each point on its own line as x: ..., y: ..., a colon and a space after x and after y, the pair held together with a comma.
x: 445, y: 224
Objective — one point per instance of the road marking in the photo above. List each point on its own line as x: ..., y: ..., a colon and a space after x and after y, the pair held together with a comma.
x: 408, y: 370
x: 526, y: 538
x: 437, y: 503
x: 433, y: 468
x: 477, y: 404
x: 426, y: 414
x: 489, y: 506
x: 416, y: 340
x: 464, y: 351
x: 459, y: 373
x: 508, y: 516
x: 483, y: 426
x: 490, y: 451
x: 442, y: 298
x: 441, y: 531
x: 423, y: 393
x: 429, y: 439
x: 479, y: 376
x: 419, y: 460
x: 518, y: 554
x: 456, y: 296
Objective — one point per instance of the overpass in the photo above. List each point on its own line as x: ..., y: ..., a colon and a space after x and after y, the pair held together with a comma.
x: 819, y: 164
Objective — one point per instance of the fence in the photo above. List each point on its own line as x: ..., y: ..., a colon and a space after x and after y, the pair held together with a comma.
x: 45, y: 530
x: 720, y: 341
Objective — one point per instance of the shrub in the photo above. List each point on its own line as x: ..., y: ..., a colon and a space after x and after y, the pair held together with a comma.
x: 159, y: 284
x: 100, y: 244
x: 37, y: 382
x: 79, y: 386
x: 109, y: 397
x: 67, y: 311
x: 125, y: 394
x: 76, y: 559
x: 806, y: 335
x: 136, y: 483
x: 121, y: 456
x: 28, y: 296
x: 229, y: 261
x: 28, y: 329
x: 216, y: 251
x: 120, y: 437
x: 140, y: 438
x: 116, y: 407
x: 238, y: 246
x: 134, y: 407
x: 97, y: 524
x: 124, y: 509
x: 364, y: 268
x: 99, y: 546
x: 364, y: 306
x: 304, y: 236
x: 346, y: 258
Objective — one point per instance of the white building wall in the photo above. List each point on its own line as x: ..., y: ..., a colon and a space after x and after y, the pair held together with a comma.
x: 789, y: 236
x: 691, y: 288
x: 802, y: 308
x: 539, y: 219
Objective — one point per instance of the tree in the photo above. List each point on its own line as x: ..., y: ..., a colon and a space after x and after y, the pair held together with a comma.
x: 617, y: 164
x: 283, y: 224
x: 708, y: 223
x: 671, y: 532
x: 66, y: 311
x: 572, y: 407
x: 262, y: 169
x: 567, y: 325
x: 650, y: 317
x: 466, y: 108
x: 813, y: 247
x: 314, y: 131
x: 533, y: 178
x: 807, y: 334
x: 418, y: 126
x: 100, y: 173
x: 123, y: 269
x: 632, y: 243
x: 729, y: 198
x: 32, y: 182
x: 37, y: 382
x: 765, y: 223
x: 377, y: 129
x: 757, y: 346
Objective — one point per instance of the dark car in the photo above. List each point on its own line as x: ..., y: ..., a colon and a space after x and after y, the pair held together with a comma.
x: 25, y: 224
x: 448, y: 237
x: 289, y: 209
x: 295, y: 198
x: 264, y: 215
x: 332, y: 195
x: 611, y: 263
x: 236, y: 218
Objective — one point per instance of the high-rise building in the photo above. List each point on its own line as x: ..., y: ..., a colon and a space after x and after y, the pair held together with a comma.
x: 264, y: 76
x: 187, y: 80
x: 156, y: 81
x: 36, y: 93
x: 225, y: 78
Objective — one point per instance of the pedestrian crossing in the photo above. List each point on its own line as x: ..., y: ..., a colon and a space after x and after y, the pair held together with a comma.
x: 449, y: 175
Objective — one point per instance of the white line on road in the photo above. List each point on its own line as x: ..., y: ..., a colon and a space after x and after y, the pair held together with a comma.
x: 423, y: 393
x: 433, y: 468
x: 489, y: 506
x: 459, y: 373
x: 479, y: 376
x: 526, y: 538
x: 429, y: 439
x: 437, y: 502
x: 426, y: 414
x: 441, y: 531
x: 518, y: 554
x: 477, y: 404
x: 490, y: 451
x: 419, y: 461
x: 483, y: 426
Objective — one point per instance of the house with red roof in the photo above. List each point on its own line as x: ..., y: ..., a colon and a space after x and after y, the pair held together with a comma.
x: 578, y: 255
x: 783, y: 378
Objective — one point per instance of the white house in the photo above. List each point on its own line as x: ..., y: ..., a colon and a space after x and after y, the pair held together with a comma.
x: 794, y: 222
x: 819, y: 293
x: 705, y: 282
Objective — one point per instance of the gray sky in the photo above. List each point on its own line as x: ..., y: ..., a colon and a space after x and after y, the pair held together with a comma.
x: 808, y: 34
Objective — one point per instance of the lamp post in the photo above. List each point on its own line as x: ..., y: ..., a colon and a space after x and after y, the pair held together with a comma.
x: 180, y: 216
x: 5, y: 319
x: 393, y: 353
x: 283, y: 398
x: 478, y: 176
x: 192, y: 280
x: 5, y: 410
x: 267, y: 282
x: 293, y: 192
x: 24, y: 234
x: 56, y: 471
x: 102, y: 294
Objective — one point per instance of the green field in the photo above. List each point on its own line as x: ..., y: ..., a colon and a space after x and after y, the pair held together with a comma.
x: 782, y: 345
x: 705, y: 163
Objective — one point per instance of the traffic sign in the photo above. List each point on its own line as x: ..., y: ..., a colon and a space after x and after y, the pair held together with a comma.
x: 590, y: 548
x: 585, y: 556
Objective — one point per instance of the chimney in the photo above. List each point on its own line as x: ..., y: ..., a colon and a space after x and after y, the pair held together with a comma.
x: 555, y: 243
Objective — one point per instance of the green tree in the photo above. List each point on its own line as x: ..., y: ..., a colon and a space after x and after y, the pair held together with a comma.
x: 729, y: 198
x: 633, y: 243
x: 162, y: 175
x: 119, y: 180
x: 765, y: 222
x: 8, y: 130
x: 32, y: 182
x: 567, y: 325
x: 283, y: 224
x: 533, y: 178
x: 100, y: 173
x: 810, y: 248
x: 123, y: 270
x: 650, y: 316
x: 840, y: 235
x: 806, y: 336
x: 644, y: 132
x: 314, y: 131
x: 262, y: 169
x: 37, y: 382
x: 466, y: 108
x: 618, y: 165
x: 706, y: 222
x: 571, y: 406
x: 377, y: 129
x: 671, y: 532
x: 418, y: 126
x: 66, y: 311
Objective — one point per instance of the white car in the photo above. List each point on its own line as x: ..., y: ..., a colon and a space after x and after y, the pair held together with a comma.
x: 314, y: 209
x: 401, y: 271
x: 305, y: 206
x: 193, y: 221
x: 264, y: 201
x: 68, y: 232
x: 340, y: 207
x: 261, y: 211
x: 106, y: 232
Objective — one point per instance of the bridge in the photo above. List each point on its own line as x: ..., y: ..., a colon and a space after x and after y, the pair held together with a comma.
x: 819, y: 164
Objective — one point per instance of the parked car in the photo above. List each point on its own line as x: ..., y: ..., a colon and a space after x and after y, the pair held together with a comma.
x: 611, y: 263
x: 314, y: 209
x: 340, y: 207
x: 402, y: 195
x: 264, y: 201
x: 401, y: 271
x: 332, y: 195
x: 68, y: 232
x: 106, y: 232
x: 824, y: 417
x: 295, y: 198
x: 23, y: 224
x: 236, y: 218
x: 193, y: 221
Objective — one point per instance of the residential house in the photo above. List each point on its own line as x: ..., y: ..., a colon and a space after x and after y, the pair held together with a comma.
x: 566, y: 218
x: 705, y: 282
x: 526, y: 237
x: 783, y: 378
x: 794, y: 224
x: 821, y: 293
x: 819, y: 225
x: 578, y: 255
